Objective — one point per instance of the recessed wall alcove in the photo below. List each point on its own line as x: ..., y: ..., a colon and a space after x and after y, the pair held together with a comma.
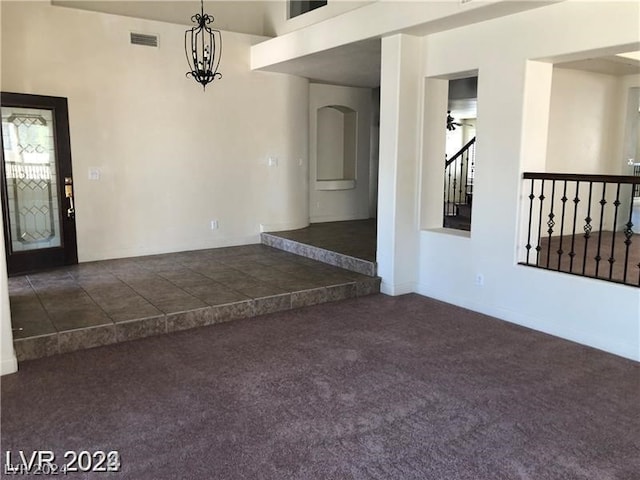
x: 340, y: 159
x: 336, y: 148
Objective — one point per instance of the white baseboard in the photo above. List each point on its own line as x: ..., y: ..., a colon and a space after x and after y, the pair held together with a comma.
x: 280, y: 227
x: 9, y: 365
x: 337, y: 218
x: 628, y: 350
x: 399, y: 289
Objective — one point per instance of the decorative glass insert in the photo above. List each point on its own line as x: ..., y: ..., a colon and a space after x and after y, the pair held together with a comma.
x: 32, y: 183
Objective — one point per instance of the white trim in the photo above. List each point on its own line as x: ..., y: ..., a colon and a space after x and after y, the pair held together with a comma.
x: 9, y: 365
x: 279, y: 227
x: 399, y: 289
x: 342, y: 184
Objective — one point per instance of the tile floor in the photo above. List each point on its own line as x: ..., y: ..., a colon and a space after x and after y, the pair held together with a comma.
x: 99, y: 303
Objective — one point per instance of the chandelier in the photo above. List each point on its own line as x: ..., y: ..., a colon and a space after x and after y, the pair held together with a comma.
x: 203, y: 47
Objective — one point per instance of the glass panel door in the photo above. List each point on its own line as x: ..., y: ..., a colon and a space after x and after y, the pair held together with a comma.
x: 36, y: 183
x: 31, y: 176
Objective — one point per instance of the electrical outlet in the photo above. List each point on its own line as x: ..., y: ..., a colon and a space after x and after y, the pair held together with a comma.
x: 273, y: 161
x: 214, y: 224
x: 479, y: 279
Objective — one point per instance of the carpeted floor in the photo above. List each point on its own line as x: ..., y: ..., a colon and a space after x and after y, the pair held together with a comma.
x: 369, y: 388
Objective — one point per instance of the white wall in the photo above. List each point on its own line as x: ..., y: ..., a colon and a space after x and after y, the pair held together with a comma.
x: 630, y: 134
x: 513, y: 115
x: 172, y: 157
x: 351, y: 203
x: 584, y: 122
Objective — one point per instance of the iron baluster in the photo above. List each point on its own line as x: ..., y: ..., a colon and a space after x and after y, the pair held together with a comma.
x: 531, y: 198
x: 551, y: 222
x: 628, y: 233
x: 576, y: 200
x: 612, y: 258
x: 460, y: 181
x: 587, y: 229
x: 602, y: 202
x: 564, y: 204
x: 539, y: 247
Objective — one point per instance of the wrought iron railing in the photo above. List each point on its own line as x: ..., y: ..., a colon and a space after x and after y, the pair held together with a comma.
x: 458, y: 187
x: 583, y: 225
x: 636, y: 173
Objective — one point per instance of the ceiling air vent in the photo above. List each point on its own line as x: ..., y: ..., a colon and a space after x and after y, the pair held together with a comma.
x: 144, y: 39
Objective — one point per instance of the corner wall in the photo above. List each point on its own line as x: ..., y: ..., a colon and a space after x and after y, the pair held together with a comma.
x: 171, y: 156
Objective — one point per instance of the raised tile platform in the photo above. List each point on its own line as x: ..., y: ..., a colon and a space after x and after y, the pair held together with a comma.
x: 100, y: 303
x: 350, y: 244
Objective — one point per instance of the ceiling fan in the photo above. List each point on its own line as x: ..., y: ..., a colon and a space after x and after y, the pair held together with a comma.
x: 452, y: 124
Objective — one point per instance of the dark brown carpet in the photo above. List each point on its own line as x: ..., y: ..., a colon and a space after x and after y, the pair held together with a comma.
x: 370, y: 388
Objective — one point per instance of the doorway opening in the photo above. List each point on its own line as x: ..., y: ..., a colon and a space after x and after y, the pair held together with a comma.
x: 460, y: 153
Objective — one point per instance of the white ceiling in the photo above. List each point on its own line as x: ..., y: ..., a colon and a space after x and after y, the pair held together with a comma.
x: 610, y: 65
x: 354, y: 65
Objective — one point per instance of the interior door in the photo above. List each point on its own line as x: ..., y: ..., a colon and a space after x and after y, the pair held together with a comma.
x: 37, y: 184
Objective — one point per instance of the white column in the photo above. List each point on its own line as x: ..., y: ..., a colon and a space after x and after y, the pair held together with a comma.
x: 398, y: 222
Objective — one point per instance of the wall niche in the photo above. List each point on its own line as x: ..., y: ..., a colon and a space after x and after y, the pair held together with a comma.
x: 336, y: 147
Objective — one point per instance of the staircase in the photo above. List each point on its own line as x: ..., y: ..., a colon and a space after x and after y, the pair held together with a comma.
x: 458, y: 188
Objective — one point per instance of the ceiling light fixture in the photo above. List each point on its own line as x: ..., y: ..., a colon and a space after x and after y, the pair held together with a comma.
x: 203, y: 47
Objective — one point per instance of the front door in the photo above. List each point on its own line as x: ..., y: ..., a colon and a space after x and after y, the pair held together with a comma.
x: 36, y: 182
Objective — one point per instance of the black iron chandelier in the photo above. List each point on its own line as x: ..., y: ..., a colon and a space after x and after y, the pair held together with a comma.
x: 203, y: 47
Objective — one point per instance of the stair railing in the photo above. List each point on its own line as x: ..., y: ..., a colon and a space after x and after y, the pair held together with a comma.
x: 458, y: 180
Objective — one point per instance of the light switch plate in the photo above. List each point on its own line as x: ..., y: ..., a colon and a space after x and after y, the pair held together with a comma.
x: 94, y: 173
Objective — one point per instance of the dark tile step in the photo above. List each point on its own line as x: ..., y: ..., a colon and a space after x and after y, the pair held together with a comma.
x: 336, y: 259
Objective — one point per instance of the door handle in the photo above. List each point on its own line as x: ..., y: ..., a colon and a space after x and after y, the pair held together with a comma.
x: 68, y: 192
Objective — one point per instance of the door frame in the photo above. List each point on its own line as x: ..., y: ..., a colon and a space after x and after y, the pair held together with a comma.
x: 67, y: 253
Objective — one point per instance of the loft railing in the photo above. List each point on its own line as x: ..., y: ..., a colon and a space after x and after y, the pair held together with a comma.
x: 458, y: 187
x: 583, y: 225
x: 636, y: 173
